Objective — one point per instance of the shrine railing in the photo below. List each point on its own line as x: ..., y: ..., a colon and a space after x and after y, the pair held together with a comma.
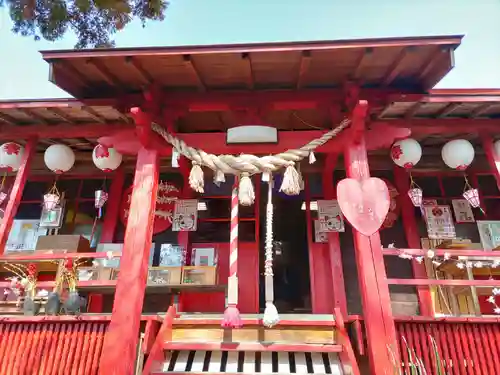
x: 463, y: 292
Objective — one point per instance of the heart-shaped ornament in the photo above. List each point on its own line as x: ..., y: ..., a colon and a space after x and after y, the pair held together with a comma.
x: 364, y: 203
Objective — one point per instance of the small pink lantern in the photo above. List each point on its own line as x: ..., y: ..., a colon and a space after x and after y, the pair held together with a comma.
x: 11, y: 156
x: 100, y: 199
x: 472, y: 196
x: 50, y: 201
x: 105, y: 158
x: 416, y: 195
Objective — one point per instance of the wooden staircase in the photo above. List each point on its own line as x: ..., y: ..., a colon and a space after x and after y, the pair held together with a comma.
x: 197, y: 344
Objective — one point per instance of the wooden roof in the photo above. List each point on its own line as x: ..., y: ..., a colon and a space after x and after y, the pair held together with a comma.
x: 410, y: 63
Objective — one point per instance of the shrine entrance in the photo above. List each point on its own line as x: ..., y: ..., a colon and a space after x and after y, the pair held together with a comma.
x: 290, y: 252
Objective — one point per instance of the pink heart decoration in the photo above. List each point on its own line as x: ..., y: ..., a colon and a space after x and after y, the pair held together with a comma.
x: 364, y: 203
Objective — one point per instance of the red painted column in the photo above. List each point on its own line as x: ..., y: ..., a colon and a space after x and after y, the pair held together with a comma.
x: 334, y: 250
x: 402, y: 183
x: 379, y: 323
x: 120, y: 343
x: 493, y: 158
x: 16, y: 193
x: 113, y: 206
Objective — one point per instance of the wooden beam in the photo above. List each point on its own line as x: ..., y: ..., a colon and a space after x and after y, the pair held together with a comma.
x: 120, y: 343
x: 334, y: 249
x: 137, y: 66
x: 91, y: 130
x: 380, y: 330
x: 480, y: 110
x: 363, y: 58
x: 448, y: 109
x: 247, y: 59
x: 402, y: 182
x: 61, y: 115
x: 34, y: 115
x: 193, y: 71
x: 9, y: 120
x: 393, y: 70
x: 16, y: 193
x: 105, y: 72
x: 305, y: 63
x: 412, y: 111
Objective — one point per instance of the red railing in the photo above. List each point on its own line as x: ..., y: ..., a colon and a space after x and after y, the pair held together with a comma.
x: 464, y: 347
x: 51, y: 348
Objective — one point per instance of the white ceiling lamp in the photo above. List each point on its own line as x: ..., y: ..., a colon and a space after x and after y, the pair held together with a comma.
x: 252, y: 134
x: 313, y: 206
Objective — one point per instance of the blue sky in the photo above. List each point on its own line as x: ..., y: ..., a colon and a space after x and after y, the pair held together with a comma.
x: 23, y: 74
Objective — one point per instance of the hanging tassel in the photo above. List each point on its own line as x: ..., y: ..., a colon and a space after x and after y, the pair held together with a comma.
x: 246, y: 194
x: 196, y: 180
x: 266, y: 176
x: 271, y: 316
x: 219, y: 177
x: 231, y: 317
x: 291, y: 181
x: 312, y: 158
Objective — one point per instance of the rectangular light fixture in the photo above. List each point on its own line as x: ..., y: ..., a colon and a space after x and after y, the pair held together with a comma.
x: 252, y: 134
x: 313, y: 206
x: 202, y: 206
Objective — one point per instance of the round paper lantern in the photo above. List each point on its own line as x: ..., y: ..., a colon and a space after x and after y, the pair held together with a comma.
x: 458, y: 154
x: 105, y: 158
x: 11, y: 156
x: 406, y: 152
x: 59, y: 158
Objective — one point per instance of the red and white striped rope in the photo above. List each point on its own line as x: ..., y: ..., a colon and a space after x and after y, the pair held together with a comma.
x: 233, y: 247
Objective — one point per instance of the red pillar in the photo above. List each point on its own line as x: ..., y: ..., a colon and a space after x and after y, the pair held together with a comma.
x: 493, y: 158
x: 379, y: 323
x: 16, y: 193
x: 334, y: 250
x: 402, y: 183
x: 120, y: 343
x: 113, y: 207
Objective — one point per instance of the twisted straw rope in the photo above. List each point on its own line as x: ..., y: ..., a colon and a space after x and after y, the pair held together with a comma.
x: 244, y: 163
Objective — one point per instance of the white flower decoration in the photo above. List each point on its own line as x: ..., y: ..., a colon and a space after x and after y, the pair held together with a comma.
x: 430, y: 254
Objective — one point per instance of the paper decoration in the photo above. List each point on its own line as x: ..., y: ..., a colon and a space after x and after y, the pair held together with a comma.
x: 107, y: 159
x: 458, y: 154
x: 364, y: 203
x: 11, y: 156
x: 429, y: 202
x: 24, y: 235
x: 172, y: 256
x: 165, y: 204
x: 406, y: 153
x: 394, y: 207
x: 463, y: 211
x: 59, y: 158
x: 319, y: 236
x: 330, y: 216
x: 489, y: 233
x: 185, y: 215
x: 439, y: 222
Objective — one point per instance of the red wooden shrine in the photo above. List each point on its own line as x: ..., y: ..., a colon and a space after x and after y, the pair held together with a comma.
x: 364, y: 309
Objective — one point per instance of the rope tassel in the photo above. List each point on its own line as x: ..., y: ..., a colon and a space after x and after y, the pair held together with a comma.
x: 246, y: 193
x: 271, y: 316
x: 291, y: 181
x: 196, y: 179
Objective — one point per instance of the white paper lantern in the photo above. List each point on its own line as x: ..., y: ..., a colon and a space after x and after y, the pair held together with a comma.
x: 406, y: 152
x: 496, y: 148
x: 59, y: 158
x: 458, y: 154
x: 105, y: 158
x: 11, y: 156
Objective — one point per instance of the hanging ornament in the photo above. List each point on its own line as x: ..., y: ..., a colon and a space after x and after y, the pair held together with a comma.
x: 472, y: 195
x: 107, y: 159
x: 406, y: 153
x: 11, y: 156
x: 59, y: 158
x: 100, y: 199
x: 52, y: 198
x: 415, y: 193
x: 458, y: 154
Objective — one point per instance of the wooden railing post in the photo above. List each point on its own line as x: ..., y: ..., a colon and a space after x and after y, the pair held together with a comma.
x: 16, y: 193
x: 402, y: 183
x: 120, y: 344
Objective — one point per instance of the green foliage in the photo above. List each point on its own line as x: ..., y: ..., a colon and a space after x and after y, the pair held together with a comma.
x: 93, y: 21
